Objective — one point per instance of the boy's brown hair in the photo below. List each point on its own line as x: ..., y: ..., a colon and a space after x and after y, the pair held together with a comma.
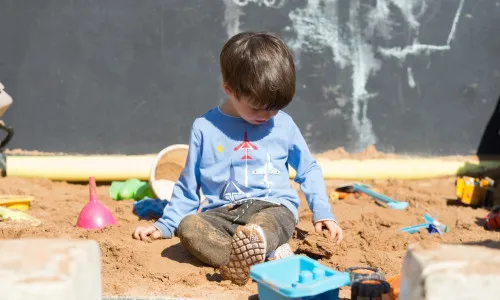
x: 259, y: 65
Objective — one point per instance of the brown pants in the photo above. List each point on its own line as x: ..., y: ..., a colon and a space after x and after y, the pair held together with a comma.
x: 208, y: 235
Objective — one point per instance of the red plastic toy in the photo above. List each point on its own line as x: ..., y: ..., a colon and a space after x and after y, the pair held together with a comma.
x: 493, y: 219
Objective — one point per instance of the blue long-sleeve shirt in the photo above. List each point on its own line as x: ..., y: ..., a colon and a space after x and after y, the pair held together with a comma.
x: 231, y: 160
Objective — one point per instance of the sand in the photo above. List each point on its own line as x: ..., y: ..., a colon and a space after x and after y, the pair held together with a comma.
x: 135, y: 268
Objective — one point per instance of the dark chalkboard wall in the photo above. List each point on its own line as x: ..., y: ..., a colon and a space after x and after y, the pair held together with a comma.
x: 129, y: 76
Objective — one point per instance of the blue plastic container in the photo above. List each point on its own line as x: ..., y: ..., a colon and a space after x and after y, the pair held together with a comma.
x: 297, y: 277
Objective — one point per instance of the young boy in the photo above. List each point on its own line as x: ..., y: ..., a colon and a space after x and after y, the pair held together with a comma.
x: 238, y: 155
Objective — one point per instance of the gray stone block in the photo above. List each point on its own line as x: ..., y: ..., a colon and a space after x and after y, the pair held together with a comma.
x: 458, y: 272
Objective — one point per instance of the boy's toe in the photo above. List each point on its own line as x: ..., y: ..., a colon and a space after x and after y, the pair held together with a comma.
x: 248, y: 248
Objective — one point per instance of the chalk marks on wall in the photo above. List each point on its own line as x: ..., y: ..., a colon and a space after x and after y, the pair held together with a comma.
x: 411, y: 80
x: 346, y: 29
x: 234, y: 10
x: 268, y: 3
x: 319, y: 26
x: 416, y: 48
x: 232, y: 13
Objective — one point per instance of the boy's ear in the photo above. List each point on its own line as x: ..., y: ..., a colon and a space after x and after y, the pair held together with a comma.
x: 227, y: 89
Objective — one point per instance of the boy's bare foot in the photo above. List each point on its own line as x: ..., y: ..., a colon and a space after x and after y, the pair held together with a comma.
x: 248, y: 248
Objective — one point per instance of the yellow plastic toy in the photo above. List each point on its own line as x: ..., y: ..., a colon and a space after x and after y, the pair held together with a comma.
x: 18, y: 202
x: 473, y: 191
x: 13, y: 215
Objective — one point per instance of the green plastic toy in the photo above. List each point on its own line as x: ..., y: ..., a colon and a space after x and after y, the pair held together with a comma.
x: 131, y: 189
x: 144, y: 191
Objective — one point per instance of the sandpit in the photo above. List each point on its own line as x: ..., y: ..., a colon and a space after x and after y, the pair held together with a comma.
x: 135, y: 268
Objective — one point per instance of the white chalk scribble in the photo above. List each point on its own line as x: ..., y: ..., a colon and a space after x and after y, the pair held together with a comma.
x: 416, y: 48
x: 232, y: 14
x: 411, y: 79
x: 268, y: 3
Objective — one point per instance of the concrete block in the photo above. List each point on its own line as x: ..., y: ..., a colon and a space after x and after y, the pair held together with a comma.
x: 458, y: 272
x: 52, y: 269
x: 144, y: 298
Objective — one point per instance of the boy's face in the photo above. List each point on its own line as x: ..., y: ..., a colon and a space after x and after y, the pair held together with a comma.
x: 245, y: 110
x: 252, y: 115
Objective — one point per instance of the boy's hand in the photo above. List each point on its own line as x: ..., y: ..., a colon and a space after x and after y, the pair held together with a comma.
x: 332, y: 227
x: 148, y: 234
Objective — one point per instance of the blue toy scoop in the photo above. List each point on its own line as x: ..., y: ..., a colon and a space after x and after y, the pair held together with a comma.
x: 399, y: 205
x: 432, y: 225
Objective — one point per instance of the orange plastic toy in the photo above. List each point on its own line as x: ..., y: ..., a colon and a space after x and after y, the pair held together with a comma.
x: 394, y: 282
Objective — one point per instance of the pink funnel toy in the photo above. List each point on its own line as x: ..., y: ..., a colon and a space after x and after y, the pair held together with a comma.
x: 94, y: 214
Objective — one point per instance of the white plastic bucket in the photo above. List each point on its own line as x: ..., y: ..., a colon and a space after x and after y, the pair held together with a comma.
x: 166, y: 169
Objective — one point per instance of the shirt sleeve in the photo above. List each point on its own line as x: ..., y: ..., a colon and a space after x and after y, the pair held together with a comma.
x: 309, y: 175
x: 185, y: 196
